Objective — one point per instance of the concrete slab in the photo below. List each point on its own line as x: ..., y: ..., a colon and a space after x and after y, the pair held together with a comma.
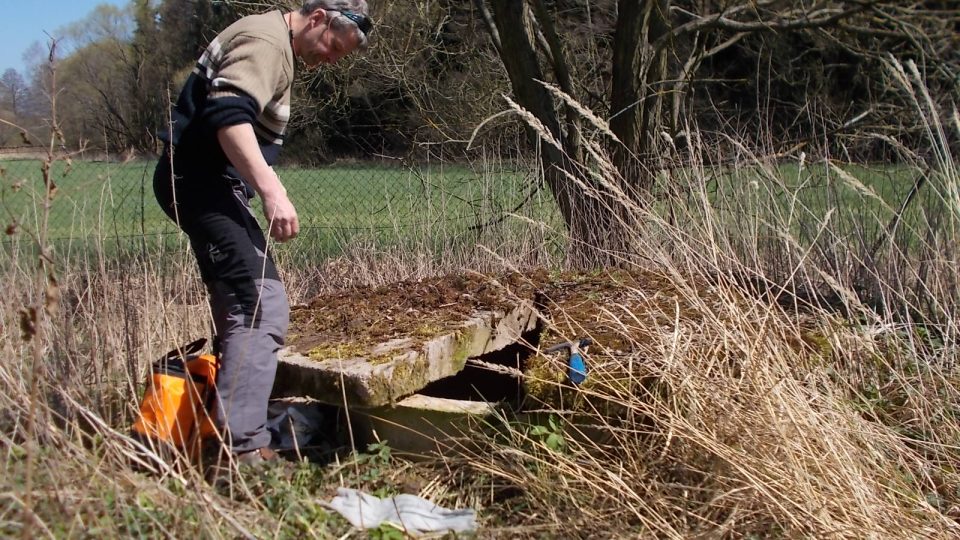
x: 421, y: 425
x: 387, y: 372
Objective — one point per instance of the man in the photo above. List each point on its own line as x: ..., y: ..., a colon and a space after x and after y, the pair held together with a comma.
x: 226, y: 131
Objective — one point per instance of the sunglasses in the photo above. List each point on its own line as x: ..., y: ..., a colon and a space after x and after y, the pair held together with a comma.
x: 362, y: 21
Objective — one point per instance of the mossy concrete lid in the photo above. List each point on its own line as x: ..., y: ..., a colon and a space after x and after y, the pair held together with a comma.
x: 369, y: 347
x: 383, y: 373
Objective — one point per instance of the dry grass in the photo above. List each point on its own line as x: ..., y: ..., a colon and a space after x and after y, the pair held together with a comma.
x: 747, y: 406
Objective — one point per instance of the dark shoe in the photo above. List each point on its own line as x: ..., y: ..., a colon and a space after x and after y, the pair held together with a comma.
x: 258, y: 457
x: 221, y: 470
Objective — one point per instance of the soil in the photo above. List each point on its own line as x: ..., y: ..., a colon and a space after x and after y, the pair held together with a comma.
x: 360, y: 318
x: 573, y: 306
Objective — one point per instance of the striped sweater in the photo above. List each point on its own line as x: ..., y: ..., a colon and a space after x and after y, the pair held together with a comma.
x: 244, y: 76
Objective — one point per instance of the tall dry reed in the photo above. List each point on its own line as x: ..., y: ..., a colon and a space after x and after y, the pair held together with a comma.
x: 789, y: 370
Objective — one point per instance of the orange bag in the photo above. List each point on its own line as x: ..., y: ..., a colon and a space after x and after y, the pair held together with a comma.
x: 177, y: 404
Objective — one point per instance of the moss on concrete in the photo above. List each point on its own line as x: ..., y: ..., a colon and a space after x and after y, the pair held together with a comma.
x: 337, y: 351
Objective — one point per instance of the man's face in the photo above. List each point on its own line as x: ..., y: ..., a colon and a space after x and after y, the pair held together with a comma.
x: 322, y: 44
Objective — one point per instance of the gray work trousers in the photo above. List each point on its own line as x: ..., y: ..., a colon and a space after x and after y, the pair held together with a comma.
x: 247, y: 299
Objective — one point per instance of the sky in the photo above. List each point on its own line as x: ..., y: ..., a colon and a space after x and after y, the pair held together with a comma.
x: 24, y: 22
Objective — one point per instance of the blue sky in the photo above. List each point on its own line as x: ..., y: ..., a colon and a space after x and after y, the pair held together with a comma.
x: 24, y: 22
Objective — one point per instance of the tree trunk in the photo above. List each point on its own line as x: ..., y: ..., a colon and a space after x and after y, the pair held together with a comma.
x: 589, y: 214
x: 523, y: 67
x: 638, y: 69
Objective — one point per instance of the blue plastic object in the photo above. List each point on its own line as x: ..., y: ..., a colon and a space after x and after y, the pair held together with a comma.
x: 576, y: 368
x: 576, y: 363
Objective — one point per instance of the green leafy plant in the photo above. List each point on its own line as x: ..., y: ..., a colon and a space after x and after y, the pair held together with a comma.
x: 551, y: 435
x: 374, y: 461
x: 387, y: 532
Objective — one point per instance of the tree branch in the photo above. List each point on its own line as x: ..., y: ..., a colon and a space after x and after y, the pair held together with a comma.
x: 491, y: 26
x: 817, y: 18
x: 561, y: 69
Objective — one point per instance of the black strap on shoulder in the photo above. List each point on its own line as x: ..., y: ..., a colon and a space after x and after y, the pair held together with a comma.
x: 186, y: 350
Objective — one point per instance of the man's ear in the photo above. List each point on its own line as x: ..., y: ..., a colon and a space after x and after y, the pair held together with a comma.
x: 317, y: 16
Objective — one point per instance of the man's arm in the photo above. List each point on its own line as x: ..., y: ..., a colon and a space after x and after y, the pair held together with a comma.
x: 240, y: 145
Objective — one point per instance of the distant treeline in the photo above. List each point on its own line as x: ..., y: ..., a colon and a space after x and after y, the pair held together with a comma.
x: 785, y: 74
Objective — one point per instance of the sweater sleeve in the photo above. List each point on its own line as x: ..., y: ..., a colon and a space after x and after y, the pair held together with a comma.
x: 246, y: 79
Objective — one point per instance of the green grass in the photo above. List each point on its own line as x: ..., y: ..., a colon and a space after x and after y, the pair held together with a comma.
x: 92, y: 198
x: 112, y: 204
x: 117, y: 199
x: 852, y: 200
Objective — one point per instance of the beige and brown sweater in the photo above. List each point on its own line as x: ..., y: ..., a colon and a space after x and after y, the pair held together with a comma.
x: 244, y: 76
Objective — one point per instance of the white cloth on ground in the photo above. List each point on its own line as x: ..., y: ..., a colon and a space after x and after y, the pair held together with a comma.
x: 410, y: 513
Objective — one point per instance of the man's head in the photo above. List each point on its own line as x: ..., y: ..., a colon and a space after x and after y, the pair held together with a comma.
x: 331, y: 30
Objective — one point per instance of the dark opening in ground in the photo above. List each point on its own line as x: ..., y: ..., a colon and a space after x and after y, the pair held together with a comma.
x: 480, y: 383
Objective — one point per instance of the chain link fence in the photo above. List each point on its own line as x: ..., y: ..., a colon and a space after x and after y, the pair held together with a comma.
x: 383, y: 203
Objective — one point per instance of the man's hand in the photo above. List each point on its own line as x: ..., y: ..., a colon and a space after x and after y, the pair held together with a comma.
x: 281, y: 216
x: 240, y: 145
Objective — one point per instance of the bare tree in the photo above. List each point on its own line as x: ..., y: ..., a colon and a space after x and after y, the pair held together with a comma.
x: 14, y: 91
x: 93, y: 55
x: 13, y: 95
x: 655, y: 57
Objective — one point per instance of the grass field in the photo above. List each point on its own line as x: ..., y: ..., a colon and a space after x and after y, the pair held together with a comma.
x: 850, y: 198
x: 116, y: 199
x: 111, y: 206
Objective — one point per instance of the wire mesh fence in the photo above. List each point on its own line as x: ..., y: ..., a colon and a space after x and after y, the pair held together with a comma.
x: 380, y: 202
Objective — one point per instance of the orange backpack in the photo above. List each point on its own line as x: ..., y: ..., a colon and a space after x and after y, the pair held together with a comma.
x: 177, y: 405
